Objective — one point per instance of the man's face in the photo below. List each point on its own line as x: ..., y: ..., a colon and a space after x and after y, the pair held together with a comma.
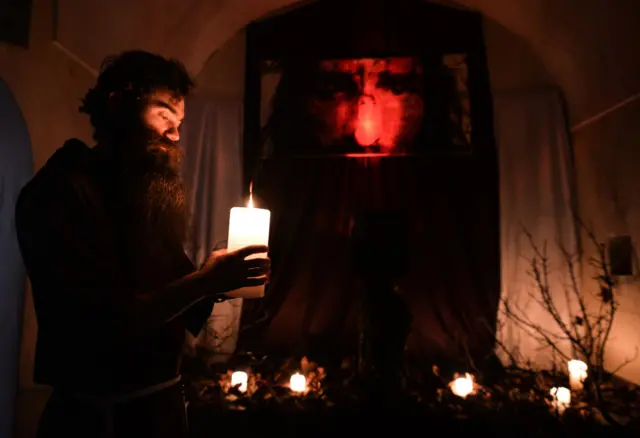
x: 152, y: 157
x: 145, y: 132
x: 163, y: 113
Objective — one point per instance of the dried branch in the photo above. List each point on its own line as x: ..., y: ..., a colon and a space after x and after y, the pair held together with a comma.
x: 586, y: 330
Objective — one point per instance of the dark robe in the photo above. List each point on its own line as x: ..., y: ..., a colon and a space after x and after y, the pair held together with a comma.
x: 85, y: 268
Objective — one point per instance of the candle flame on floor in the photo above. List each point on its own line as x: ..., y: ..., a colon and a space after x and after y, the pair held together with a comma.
x: 462, y: 386
x: 240, y: 378
x: 298, y: 383
x: 577, y: 374
x: 561, y: 399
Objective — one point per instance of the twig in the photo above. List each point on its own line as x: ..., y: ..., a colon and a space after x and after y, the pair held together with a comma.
x: 586, y: 332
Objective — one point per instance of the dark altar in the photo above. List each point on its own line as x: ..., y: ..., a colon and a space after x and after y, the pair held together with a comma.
x: 507, y: 403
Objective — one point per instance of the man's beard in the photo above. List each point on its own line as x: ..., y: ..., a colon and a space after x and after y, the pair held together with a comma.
x: 154, y: 191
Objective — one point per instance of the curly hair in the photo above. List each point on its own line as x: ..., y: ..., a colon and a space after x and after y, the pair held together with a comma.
x: 134, y: 75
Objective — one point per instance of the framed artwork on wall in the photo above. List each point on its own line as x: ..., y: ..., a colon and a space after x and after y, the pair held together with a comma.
x: 393, y: 79
x: 384, y: 106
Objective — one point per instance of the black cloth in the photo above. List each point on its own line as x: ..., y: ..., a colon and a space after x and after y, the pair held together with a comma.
x: 85, y: 271
x: 158, y: 415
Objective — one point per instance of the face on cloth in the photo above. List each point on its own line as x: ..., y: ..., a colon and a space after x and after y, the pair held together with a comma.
x: 375, y: 101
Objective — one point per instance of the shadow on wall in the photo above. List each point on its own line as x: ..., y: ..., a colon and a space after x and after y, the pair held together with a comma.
x: 16, y: 168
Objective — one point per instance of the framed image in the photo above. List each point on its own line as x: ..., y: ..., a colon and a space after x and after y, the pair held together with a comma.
x: 385, y: 106
x: 407, y: 78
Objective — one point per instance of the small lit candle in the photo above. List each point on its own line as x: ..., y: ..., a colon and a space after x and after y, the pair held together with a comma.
x: 248, y: 226
x: 240, y: 378
x: 298, y: 383
x: 561, y: 399
x: 577, y: 374
x: 462, y: 386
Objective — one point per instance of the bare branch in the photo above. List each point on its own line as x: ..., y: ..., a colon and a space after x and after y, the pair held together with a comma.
x: 585, y: 329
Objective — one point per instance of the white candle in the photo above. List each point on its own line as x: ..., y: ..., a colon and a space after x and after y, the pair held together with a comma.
x: 561, y: 399
x: 248, y: 226
x: 239, y: 378
x: 462, y: 386
x: 298, y: 383
x: 577, y: 374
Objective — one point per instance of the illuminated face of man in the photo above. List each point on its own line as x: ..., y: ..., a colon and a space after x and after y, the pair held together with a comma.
x: 376, y: 102
x: 163, y: 114
x: 150, y: 152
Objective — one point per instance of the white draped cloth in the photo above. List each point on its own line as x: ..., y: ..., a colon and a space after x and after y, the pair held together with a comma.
x: 212, y: 138
x: 537, y: 196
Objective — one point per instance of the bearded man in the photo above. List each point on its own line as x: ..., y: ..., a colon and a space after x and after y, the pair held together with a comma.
x: 101, y: 232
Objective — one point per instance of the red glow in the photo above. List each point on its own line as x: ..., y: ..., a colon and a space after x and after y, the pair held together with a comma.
x: 377, y: 101
x: 368, y: 154
x: 368, y: 122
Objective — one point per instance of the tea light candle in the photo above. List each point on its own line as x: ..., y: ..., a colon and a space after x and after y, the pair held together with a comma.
x: 561, y: 399
x: 462, y: 386
x: 577, y: 374
x: 298, y: 383
x: 248, y: 226
x: 240, y: 378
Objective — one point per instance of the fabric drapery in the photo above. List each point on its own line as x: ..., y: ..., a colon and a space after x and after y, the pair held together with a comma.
x: 212, y: 139
x: 457, y: 278
x: 452, y: 286
x: 16, y: 168
x: 537, y: 197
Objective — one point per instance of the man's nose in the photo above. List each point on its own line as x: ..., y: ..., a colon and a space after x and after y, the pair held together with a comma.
x: 172, y: 134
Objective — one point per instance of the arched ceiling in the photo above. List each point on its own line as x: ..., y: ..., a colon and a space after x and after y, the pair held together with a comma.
x: 589, y: 47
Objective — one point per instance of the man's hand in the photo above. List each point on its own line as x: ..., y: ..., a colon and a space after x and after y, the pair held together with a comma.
x: 227, y: 271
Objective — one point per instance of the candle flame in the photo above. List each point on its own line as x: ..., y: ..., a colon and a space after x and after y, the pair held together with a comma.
x: 577, y: 367
x: 561, y: 399
x: 298, y: 383
x: 463, y: 386
x: 240, y: 378
x: 577, y: 374
x: 250, y: 203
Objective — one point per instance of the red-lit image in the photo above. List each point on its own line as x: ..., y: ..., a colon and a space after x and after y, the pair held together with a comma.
x: 364, y: 106
x: 377, y: 103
